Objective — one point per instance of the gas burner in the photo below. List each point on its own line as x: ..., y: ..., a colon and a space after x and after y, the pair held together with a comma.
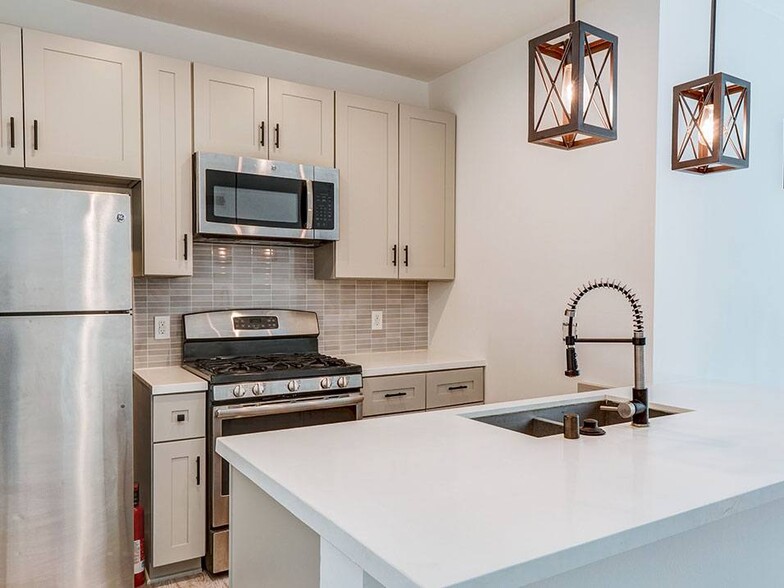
x: 260, y: 364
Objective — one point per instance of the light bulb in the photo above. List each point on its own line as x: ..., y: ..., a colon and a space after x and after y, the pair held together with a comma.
x: 707, y: 124
x: 567, y: 91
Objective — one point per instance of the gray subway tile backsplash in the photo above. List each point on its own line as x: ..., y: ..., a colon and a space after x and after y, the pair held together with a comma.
x: 254, y: 276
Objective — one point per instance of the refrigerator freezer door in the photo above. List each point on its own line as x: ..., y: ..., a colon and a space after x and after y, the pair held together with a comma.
x: 66, y: 451
x: 64, y: 250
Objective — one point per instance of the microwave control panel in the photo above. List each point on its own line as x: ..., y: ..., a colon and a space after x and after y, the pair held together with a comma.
x: 323, y: 205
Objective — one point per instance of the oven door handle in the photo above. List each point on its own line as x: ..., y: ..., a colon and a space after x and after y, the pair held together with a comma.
x: 287, y: 407
x: 309, y: 204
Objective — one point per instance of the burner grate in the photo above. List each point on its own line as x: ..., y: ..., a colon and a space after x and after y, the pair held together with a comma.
x: 266, y: 363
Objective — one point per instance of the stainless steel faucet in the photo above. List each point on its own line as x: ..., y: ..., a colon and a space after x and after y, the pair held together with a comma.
x: 637, y: 409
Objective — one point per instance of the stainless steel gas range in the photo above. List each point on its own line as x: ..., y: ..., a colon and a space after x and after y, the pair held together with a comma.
x: 265, y: 373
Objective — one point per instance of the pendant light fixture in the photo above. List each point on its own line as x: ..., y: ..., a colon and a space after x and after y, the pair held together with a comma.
x: 572, y: 86
x: 710, y: 119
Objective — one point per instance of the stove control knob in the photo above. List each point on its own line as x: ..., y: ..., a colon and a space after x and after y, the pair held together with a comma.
x: 342, y: 381
x: 326, y: 382
x: 238, y: 391
x: 293, y: 385
x: 258, y: 389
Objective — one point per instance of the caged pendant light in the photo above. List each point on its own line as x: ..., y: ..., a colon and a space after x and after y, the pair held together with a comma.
x: 572, y: 86
x: 710, y: 119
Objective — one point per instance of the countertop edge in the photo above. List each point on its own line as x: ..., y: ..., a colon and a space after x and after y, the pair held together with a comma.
x: 189, y: 382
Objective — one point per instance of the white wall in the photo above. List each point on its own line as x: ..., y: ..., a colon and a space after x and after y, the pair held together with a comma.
x: 720, y: 238
x: 79, y: 20
x: 534, y: 222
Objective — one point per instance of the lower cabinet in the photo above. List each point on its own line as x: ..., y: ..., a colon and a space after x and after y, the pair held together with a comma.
x: 422, y: 391
x: 179, y: 513
x: 171, y: 469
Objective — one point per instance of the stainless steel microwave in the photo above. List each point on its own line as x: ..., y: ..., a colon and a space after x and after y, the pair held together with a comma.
x: 243, y: 197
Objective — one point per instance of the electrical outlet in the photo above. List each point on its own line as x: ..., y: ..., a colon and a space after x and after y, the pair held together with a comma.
x: 161, y: 327
x: 376, y: 320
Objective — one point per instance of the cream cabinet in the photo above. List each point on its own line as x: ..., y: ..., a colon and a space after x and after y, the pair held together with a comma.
x: 229, y: 112
x: 397, y: 193
x: 81, y: 106
x: 179, y: 501
x: 164, y: 223
x: 427, y: 194
x: 11, y: 121
x: 366, y: 153
x: 169, y: 462
x: 302, y: 123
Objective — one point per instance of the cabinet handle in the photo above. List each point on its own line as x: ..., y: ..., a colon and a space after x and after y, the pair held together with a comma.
x: 394, y: 395
x: 261, y: 133
x: 394, y: 255
x: 405, y: 256
x: 277, y: 136
x: 198, y: 470
x: 462, y: 387
x: 35, y: 135
x: 13, y: 133
x: 185, y: 239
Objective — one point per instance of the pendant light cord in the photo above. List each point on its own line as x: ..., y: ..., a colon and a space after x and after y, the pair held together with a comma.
x: 572, y: 10
x: 712, y: 62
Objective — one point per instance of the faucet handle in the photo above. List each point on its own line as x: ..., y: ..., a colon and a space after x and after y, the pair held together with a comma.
x: 625, y: 410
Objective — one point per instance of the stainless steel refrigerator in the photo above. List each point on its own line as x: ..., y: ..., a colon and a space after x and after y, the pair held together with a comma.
x: 65, y: 388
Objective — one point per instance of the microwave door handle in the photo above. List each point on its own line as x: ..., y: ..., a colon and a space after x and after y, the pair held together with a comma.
x: 309, y: 212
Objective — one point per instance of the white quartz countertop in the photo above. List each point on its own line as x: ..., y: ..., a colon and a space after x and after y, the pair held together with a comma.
x: 408, y: 362
x: 437, y: 499
x: 170, y: 380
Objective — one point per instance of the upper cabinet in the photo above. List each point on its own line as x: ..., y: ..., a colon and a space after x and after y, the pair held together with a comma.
x: 366, y: 153
x: 397, y: 216
x: 230, y: 112
x: 427, y: 194
x: 248, y: 115
x: 11, y: 123
x: 302, y: 121
x: 82, y: 107
x: 167, y: 187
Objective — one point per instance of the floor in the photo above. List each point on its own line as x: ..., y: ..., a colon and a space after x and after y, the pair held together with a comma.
x: 201, y: 580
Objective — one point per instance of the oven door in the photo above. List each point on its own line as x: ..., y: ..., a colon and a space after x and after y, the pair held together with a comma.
x: 246, y: 197
x: 257, y: 418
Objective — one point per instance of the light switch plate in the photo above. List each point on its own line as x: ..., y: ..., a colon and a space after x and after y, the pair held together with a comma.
x: 376, y: 320
x: 161, y: 326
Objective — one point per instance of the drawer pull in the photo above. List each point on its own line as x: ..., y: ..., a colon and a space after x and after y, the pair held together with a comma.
x: 394, y: 395
x: 181, y: 417
x: 461, y: 387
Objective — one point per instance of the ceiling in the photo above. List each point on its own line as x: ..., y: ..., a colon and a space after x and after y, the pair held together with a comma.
x: 421, y: 39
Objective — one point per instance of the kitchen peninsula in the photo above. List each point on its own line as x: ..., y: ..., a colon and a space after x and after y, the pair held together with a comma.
x: 439, y: 499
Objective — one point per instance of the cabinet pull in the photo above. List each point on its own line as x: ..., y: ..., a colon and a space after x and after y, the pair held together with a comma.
x: 261, y: 133
x: 394, y: 255
x: 13, y: 133
x: 394, y: 394
x: 461, y: 387
x: 405, y: 256
x: 277, y: 136
x: 35, y: 135
x: 185, y: 248
x: 198, y: 470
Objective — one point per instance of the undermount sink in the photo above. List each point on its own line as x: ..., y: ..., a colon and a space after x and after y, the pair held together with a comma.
x: 544, y: 422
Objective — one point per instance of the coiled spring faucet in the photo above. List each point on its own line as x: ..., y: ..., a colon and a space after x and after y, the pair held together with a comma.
x: 637, y: 409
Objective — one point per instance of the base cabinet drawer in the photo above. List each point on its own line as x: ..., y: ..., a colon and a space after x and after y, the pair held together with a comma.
x: 178, y: 416
x: 390, y: 394
x: 455, y: 387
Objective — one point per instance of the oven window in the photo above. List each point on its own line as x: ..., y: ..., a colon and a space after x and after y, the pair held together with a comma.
x: 271, y: 202
x: 277, y: 422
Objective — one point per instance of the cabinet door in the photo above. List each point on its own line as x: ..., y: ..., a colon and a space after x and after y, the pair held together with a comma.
x: 230, y: 112
x: 391, y: 394
x: 179, y: 501
x: 11, y: 123
x: 366, y: 155
x: 82, y: 106
x: 427, y: 194
x: 167, y: 220
x: 302, y: 121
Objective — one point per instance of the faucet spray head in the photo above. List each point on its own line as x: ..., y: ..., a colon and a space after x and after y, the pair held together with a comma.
x: 570, y: 336
x: 571, y: 362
